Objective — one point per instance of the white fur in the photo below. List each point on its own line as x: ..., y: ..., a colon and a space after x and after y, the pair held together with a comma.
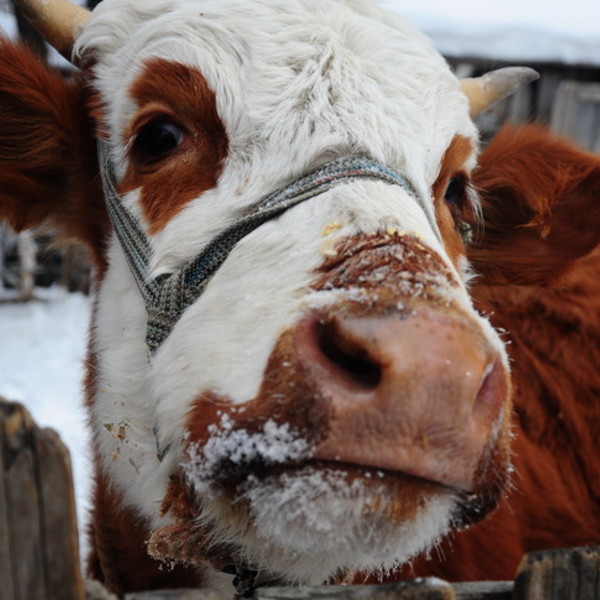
x: 296, y: 83
x: 313, y: 524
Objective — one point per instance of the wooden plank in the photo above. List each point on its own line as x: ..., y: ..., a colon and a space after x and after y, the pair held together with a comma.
x: 22, y: 504
x: 37, y: 512
x: 94, y: 590
x: 174, y: 595
x: 559, y: 575
x: 59, y: 519
x: 546, y: 94
x: 6, y: 563
x: 484, y: 590
x: 520, y: 105
x: 576, y: 113
x: 418, y: 589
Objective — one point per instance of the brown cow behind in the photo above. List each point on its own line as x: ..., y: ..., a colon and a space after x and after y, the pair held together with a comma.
x: 539, y: 266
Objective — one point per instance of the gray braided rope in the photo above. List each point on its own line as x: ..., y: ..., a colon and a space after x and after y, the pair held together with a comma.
x: 167, y: 296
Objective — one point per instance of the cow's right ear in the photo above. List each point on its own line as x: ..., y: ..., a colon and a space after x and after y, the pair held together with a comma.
x: 541, y: 206
x: 48, y: 165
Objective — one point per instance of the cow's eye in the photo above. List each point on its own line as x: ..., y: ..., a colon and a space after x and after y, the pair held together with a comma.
x: 455, y: 191
x: 155, y: 140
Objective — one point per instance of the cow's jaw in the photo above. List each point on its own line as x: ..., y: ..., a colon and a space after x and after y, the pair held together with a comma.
x: 309, y: 524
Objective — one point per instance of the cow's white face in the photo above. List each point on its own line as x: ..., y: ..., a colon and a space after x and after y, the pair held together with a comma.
x: 303, y: 401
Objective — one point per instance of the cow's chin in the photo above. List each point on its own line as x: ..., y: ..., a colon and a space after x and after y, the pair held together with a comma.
x: 312, y: 522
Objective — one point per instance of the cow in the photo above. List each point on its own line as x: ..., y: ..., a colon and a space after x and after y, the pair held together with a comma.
x: 287, y: 379
x: 538, y: 264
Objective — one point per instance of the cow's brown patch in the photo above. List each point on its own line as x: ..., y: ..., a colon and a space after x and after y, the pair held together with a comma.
x: 386, y: 267
x: 185, y: 541
x: 119, y: 555
x: 450, y: 215
x: 171, y: 92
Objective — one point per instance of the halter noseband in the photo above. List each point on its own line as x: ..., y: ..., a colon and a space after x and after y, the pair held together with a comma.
x: 167, y: 296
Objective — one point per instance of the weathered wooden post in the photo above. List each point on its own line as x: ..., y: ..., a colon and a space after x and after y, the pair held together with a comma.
x: 423, y: 589
x: 27, y: 255
x: 572, y: 574
x: 39, y: 556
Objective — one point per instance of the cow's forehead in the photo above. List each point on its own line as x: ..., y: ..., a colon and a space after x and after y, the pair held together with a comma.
x: 320, y: 74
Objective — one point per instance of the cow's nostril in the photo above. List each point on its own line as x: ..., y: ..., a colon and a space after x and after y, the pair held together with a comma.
x: 492, y: 391
x: 347, y: 355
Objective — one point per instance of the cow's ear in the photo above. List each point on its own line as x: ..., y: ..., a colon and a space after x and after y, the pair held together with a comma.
x: 541, y: 206
x: 48, y: 166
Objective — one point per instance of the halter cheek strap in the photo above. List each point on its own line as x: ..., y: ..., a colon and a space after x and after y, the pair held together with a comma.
x: 167, y: 296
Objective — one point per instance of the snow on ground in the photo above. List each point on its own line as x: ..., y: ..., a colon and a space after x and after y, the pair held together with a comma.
x: 41, y: 365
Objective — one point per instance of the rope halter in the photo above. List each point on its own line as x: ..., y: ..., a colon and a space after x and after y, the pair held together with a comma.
x: 167, y: 296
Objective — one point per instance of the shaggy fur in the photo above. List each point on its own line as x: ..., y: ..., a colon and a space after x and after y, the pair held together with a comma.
x: 48, y: 165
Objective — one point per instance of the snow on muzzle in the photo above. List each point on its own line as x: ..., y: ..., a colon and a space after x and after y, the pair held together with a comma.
x: 396, y: 375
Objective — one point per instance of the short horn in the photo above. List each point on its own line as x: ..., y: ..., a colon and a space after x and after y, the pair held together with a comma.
x: 59, y: 22
x: 485, y: 91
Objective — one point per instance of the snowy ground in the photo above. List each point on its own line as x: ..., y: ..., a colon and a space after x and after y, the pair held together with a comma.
x: 41, y: 365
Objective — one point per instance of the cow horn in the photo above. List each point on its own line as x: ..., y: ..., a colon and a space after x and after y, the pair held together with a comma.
x: 485, y: 91
x: 59, y: 22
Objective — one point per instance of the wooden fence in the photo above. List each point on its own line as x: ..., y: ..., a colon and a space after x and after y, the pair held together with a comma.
x: 29, y: 260
x: 39, y: 557
x: 566, y: 98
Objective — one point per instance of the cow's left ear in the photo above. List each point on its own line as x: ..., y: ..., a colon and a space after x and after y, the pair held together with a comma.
x: 48, y: 167
x: 541, y: 206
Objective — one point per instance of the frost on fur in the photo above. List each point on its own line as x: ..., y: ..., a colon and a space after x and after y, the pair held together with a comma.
x: 312, y: 524
x: 237, y: 448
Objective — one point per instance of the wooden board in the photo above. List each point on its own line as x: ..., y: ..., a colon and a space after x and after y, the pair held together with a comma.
x: 484, y: 590
x: 559, y: 575
x: 576, y: 113
x: 39, y: 556
x: 421, y: 589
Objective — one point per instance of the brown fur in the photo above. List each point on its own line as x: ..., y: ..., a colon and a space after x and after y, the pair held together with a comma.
x: 539, y: 259
x: 195, y: 166
x: 119, y: 555
x: 448, y: 216
x: 48, y: 165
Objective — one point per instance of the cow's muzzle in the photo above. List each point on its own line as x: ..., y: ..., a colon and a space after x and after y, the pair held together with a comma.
x: 420, y: 392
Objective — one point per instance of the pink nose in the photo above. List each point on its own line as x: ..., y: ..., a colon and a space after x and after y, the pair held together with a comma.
x: 419, y: 393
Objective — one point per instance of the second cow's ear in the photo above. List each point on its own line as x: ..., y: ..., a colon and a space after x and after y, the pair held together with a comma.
x: 48, y: 165
x: 541, y: 206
